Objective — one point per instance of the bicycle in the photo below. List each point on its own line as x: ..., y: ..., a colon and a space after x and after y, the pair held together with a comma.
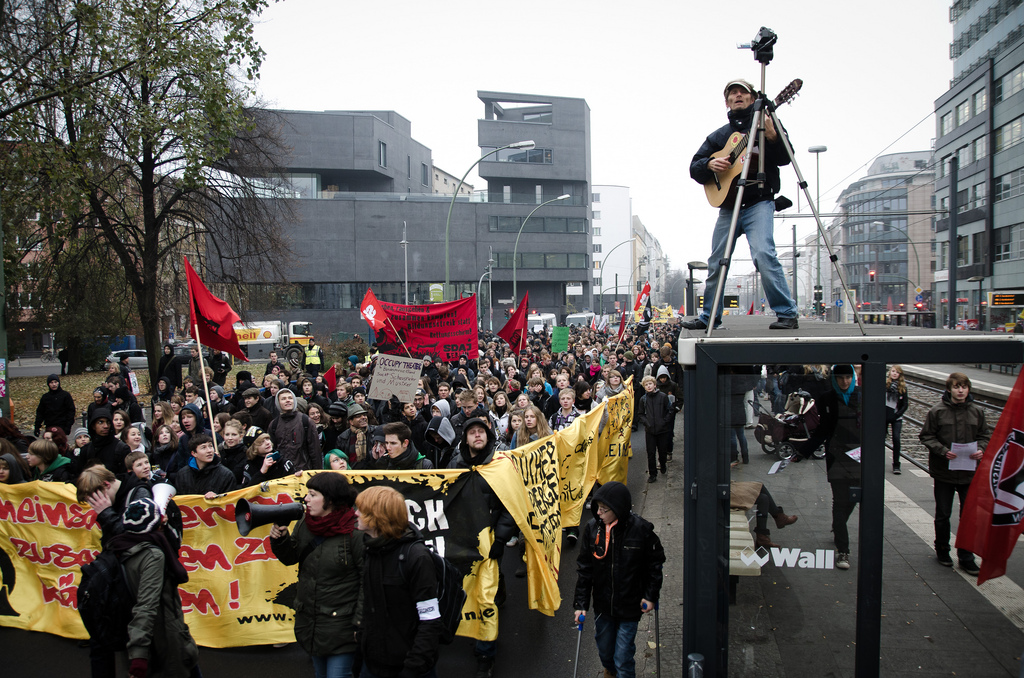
x: 48, y: 356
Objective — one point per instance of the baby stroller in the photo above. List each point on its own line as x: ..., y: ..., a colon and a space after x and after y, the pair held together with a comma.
x: 789, y: 433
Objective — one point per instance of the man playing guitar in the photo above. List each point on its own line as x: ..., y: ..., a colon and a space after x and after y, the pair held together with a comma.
x: 757, y: 208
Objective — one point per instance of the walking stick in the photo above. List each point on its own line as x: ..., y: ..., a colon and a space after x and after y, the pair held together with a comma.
x: 579, y: 627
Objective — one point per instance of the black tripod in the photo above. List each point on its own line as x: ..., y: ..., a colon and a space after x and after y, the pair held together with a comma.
x: 763, y: 48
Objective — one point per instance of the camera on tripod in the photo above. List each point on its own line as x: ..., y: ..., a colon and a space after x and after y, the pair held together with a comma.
x: 762, y: 45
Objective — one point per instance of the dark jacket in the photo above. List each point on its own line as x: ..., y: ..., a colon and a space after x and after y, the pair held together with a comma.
x: 234, y: 459
x: 157, y: 632
x: 398, y: 574
x: 108, y: 449
x: 60, y: 471
x: 409, y: 460
x: 439, y: 454
x: 214, y: 477
x: 327, y: 596
x: 657, y: 412
x: 896, y: 403
x: 56, y: 408
x: 840, y: 428
x: 501, y: 520
x: 347, y: 442
x: 253, y: 472
x: 630, y: 571
x: 740, y: 121
x: 295, y: 435
x: 949, y: 423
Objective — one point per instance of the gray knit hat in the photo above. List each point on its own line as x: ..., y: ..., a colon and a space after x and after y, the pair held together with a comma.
x: 141, y: 516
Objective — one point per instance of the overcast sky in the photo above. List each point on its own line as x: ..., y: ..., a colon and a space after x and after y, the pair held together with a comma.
x: 651, y: 72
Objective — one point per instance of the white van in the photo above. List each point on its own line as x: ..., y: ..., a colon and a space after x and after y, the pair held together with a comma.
x: 578, y: 319
x: 541, y: 321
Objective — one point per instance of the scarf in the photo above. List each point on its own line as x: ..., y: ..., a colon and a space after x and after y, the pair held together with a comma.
x: 740, y: 120
x: 333, y: 523
x: 501, y: 409
x: 172, y: 565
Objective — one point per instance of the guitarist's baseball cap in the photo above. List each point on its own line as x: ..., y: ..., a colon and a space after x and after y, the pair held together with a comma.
x: 741, y: 83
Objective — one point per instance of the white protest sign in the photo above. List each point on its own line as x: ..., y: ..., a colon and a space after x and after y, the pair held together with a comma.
x: 395, y: 375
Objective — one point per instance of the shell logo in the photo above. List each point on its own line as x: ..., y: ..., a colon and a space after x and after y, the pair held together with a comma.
x: 266, y: 334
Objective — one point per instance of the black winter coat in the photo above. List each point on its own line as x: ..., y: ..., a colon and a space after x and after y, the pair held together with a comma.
x: 56, y: 408
x: 398, y: 574
x: 630, y: 571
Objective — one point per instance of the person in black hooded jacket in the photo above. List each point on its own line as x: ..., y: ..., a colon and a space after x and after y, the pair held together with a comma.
x: 204, y: 474
x: 620, y: 564
x: 103, y: 444
x: 56, y: 407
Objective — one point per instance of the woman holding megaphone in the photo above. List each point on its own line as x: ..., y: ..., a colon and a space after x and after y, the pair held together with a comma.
x: 330, y: 557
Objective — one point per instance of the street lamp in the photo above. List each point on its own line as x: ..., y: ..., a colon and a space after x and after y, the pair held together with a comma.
x: 405, y: 249
x: 600, y: 278
x: 917, y: 259
x: 448, y: 222
x: 515, y: 296
x: 690, y: 304
x: 817, y: 151
x: 980, y: 279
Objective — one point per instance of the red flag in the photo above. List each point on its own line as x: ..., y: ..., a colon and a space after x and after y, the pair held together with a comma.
x: 593, y: 323
x: 751, y: 311
x: 372, y: 312
x: 993, y: 515
x: 212, y: 316
x: 642, y: 298
x: 622, y: 325
x: 514, y: 331
x: 331, y: 378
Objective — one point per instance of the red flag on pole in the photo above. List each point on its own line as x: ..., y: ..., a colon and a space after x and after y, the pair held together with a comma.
x: 514, y: 331
x: 751, y: 310
x: 212, y: 317
x: 331, y: 378
x: 993, y: 515
x: 593, y: 323
x: 622, y: 326
x: 642, y: 298
x: 372, y: 312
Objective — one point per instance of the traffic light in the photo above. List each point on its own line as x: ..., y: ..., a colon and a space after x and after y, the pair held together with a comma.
x: 919, y: 306
x: 871, y: 275
x: 506, y: 314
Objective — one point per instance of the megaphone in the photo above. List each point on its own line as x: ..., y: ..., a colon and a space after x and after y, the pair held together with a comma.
x: 250, y: 516
x: 162, y: 493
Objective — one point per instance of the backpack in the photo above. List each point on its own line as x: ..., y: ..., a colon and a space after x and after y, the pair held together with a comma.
x: 105, y: 602
x: 450, y: 596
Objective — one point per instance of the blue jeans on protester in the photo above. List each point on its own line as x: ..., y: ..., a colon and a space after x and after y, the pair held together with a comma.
x: 333, y: 665
x: 616, y: 644
x: 758, y: 224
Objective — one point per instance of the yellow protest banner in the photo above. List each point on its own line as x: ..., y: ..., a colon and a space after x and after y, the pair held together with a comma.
x: 239, y: 594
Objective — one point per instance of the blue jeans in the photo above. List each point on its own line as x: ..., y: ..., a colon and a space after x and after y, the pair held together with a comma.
x: 616, y: 645
x: 333, y: 665
x: 757, y: 224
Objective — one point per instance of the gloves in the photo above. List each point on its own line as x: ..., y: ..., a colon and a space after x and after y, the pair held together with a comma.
x: 139, y: 668
x: 497, y: 550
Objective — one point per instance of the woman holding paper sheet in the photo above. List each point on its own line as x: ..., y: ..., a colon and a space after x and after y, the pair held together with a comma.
x: 840, y: 411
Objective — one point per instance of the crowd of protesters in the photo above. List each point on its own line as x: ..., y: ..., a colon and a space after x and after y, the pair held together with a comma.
x: 206, y: 440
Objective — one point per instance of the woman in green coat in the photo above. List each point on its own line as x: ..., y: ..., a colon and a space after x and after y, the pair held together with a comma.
x: 330, y: 557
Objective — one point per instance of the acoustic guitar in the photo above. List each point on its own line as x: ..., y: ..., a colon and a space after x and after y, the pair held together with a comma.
x: 721, y: 190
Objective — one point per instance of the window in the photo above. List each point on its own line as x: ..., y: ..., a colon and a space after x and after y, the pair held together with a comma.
x: 941, y: 169
x: 540, y: 194
x: 979, y: 149
x: 963, y: 112
x: 963, y: 202
x: 597, y: 265
x: 539, y: 156
x: 506, y: 194
x: 1009, y: 185
x: 537, y: 117
x: 597, y: 214
x: 963, y: 156
x: 978, y: 195
x: 1009, y: 134
x: 979, y: 102
x: 944, y: 204
x: 978, y: 248
x: 597, y: 231
x: 597, y: 247
x: 946, y: 124
x: 382, y: 154
x: 1010, y: 84
x: 595, y: 197
x: 1007, y: 241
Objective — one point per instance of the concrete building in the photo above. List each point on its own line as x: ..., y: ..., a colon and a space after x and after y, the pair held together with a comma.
x: 885, y: 242
x: 359, y: 177
x: 980, y: 126
x: 445, y: 183
x: 615, y: 249
x: 651, y: 265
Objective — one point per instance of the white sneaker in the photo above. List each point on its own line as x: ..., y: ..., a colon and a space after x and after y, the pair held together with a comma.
x: 843, y: 561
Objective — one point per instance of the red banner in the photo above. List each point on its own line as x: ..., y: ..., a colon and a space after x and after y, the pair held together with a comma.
x: 642, y: 298
x: 514, y: 331
x: 993, y: 515
x: 442, y: 331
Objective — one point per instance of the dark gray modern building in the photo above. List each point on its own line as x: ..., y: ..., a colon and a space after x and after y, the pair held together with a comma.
x: 980, y: 125
x: 360, y: 182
